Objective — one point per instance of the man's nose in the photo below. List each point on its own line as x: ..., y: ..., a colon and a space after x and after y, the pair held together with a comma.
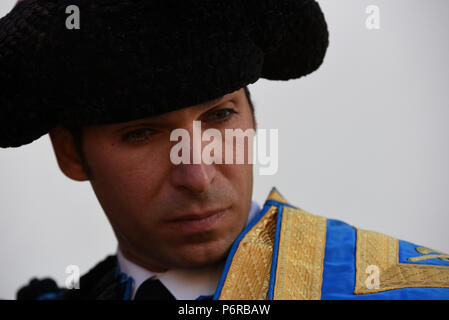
x: 196, y: 176
x: 193, y: 177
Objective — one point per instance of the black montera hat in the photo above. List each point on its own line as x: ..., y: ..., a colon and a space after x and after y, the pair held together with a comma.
x: 133, y: 59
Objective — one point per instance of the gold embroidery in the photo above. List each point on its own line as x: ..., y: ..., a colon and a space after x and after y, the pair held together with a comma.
x: 423, y: 250
x: 276, y: 196
x: 300, y: 257
x: 249, y: 274
x: 299, y: 271
x: 383, y: 251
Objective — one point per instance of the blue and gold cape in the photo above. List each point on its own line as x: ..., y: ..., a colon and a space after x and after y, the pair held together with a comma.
x: 288, y: 253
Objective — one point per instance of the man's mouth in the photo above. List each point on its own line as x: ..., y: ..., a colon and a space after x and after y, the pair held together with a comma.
x: 197, y: 222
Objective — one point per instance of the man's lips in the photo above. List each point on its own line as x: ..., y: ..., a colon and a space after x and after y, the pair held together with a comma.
x: 196, y: 216
x: 196, y: 222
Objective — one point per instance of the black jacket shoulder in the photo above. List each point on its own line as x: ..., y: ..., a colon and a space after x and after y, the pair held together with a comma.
x: 103, y: 282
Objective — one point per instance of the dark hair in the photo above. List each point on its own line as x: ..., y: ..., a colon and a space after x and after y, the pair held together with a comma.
x: 77, y: 134
x: 250, y: 102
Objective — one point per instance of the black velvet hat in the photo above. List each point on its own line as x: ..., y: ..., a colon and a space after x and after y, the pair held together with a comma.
x: 133, y: 59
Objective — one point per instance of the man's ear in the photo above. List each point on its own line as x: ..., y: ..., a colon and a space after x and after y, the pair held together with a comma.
x: 69, y: 160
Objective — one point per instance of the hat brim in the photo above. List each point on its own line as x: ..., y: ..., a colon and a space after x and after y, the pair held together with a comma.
x: 137, y: 59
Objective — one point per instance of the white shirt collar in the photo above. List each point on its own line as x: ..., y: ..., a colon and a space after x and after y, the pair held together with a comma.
x: 182, y: 283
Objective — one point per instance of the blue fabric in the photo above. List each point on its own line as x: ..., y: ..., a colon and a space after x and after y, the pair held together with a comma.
x: 124, y: 279
x: 51, y: 295
x: 277, y: 203
x: 277, y: 234
x: 408, y: 250
x: 339, y: 270
x: 209, y: 297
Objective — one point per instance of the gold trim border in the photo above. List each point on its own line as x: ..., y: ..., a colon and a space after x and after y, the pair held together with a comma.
x: 249, y: 274
x: 299, y: 273
x: 276, y: 196
x: 377, y: 249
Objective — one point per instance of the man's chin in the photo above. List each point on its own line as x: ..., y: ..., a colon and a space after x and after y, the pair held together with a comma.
x: 201, y: 256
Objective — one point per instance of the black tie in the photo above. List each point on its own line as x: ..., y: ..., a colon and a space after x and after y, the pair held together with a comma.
x: 153, y: 289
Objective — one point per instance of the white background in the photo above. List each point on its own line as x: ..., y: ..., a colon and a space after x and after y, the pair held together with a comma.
x: 364, y: 140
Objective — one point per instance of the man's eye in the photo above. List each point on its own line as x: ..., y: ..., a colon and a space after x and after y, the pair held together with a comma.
x: 138, y: 135
x: 221, y: 115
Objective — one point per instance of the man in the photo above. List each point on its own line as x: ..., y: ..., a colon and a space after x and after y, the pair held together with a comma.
x: 112, y: 92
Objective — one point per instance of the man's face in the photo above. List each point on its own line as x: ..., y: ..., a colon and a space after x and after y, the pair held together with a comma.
x: 166, y: 215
